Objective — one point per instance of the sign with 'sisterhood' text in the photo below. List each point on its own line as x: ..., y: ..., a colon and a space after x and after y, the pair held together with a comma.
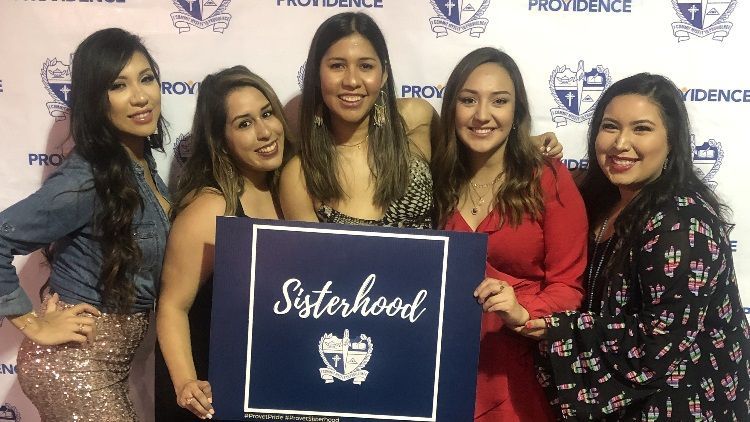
x: 342, y: 323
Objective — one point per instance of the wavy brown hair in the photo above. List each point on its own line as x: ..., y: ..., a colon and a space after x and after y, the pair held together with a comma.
x: 211, y: 165
x: 521, y: 192
x: 97, y: 62
x: 389, y: 145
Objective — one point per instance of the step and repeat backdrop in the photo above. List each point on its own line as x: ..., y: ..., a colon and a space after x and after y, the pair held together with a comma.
x: 700, y: 45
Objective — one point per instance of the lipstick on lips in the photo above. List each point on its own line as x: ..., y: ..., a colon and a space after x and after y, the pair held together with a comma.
x: 620, y: 164
x: 142, y: 117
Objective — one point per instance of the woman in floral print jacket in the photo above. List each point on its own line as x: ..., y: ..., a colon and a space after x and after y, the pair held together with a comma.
x: 662, y: 335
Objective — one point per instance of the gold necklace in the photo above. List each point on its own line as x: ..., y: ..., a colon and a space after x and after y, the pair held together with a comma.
x: 476, y: 186
x: 486, y: 185
x: 358, y: 144
x: 476, y: 204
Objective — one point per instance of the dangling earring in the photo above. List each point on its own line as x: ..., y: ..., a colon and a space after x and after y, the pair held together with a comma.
x: 379, y: 117
x: 666, y: 162
x: 318, y: 118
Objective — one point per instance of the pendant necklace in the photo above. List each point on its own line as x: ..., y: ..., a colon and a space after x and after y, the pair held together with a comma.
x: 476, y: 186
x: 592, y: 280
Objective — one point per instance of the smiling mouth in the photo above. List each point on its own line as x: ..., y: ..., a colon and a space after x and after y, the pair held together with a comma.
x: 482, y: 130
x: 142, y: 117
x: 351, y: 99
x: 621, y: 163
x: 268, y: 149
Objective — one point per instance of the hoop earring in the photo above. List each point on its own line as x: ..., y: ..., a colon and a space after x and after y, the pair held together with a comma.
x: 379, y: 119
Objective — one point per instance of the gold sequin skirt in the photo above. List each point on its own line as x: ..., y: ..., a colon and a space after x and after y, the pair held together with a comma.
x: 84, y: 382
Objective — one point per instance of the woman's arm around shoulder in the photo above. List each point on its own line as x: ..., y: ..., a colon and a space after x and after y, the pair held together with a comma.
x: 188, y: 262
x: 296, y: 202
x: 422, y: 123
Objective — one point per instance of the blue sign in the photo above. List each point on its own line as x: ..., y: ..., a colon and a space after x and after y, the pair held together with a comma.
x: 344, y: 322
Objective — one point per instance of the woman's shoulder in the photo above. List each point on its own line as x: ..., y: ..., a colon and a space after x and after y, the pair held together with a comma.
x: 684, y: 210
x: 74, y: 174
x: 415, y: 111
x: 203, y: 203
x: 556, y: 176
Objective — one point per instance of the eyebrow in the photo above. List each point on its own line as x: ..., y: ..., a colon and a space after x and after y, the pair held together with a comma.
x: 635, y: 122
x: 344, y: 59
x: 145, y: 70
x: 266, y: 107
x: 471, y: 91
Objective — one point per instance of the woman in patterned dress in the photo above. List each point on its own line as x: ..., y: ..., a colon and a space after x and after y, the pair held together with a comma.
x: 663, y: 335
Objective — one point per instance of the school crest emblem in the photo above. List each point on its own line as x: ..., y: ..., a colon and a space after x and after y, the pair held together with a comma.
x: 201, y: 14
x: 183, y: 148
x: 702, y: 18
x: 9, y: 413
x: 707, y: 159
x: 459, y: 16
x: 56, y: 78
x: 344, y: 358
x: 576, y: 92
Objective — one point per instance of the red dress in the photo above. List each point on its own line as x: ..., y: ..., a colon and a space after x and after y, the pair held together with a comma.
x: 544, y: 261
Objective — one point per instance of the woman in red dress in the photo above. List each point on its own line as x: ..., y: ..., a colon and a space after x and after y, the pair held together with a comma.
x: 489, y: 178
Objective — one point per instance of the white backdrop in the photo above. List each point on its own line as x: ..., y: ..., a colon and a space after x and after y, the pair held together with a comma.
x: 701, y: 45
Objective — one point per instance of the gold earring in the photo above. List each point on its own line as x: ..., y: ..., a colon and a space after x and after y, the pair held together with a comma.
x: 379, y: 117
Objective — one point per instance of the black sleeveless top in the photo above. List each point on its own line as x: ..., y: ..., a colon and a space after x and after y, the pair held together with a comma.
x: 166, y: 408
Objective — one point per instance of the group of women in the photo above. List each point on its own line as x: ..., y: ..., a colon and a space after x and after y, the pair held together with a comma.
x: 660, y: 333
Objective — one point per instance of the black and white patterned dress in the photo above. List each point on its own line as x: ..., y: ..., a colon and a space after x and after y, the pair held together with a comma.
x: 670, y: 342
x: 414, y: 209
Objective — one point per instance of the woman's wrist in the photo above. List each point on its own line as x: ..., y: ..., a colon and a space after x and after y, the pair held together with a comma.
x: 24, y: 321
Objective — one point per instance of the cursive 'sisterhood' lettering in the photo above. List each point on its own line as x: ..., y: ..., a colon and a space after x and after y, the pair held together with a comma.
x: 323, y: 301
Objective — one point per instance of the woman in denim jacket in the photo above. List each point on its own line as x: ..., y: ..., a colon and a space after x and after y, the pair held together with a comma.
x: 105, y: 214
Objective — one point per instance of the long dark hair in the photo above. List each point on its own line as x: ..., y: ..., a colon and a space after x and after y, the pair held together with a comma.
x: 389, y: 145
x: 97, y: 62
x: 678, y: 177
x: 521, y: 191
x: 211, y: 165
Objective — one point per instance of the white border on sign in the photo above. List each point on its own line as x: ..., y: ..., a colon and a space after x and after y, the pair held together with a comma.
x: 443, y: 239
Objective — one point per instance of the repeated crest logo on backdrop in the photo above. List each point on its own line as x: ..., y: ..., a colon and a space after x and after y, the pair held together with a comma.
x: 301, y: 76
x: 183, y: 148
x: 201, y: 14
x: 56, y: 79
x: 576, y: 92
x: 9, y: 413
x: 707, y: 159
x: 702, y: 18
x: 459, y: 16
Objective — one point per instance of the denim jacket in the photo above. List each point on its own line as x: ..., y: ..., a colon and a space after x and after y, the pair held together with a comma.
x: 63, y: 211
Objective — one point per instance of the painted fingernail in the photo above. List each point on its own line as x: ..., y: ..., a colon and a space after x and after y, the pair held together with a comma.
x: 211, y: 400
x: 209, y: 416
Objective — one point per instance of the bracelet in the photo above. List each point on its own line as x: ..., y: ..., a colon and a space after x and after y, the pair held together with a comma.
x: 29, y: 320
